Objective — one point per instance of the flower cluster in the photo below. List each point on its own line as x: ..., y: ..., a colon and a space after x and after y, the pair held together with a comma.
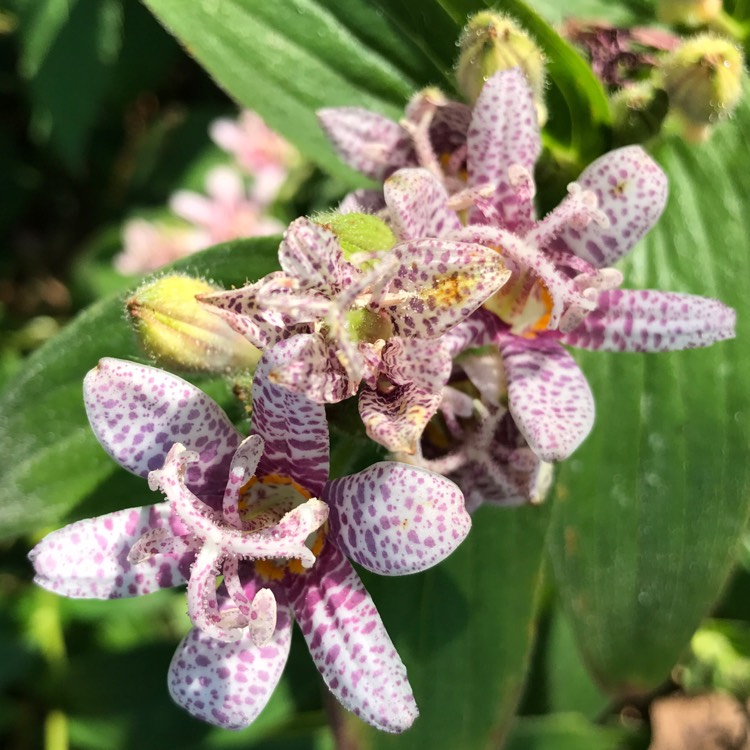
x: 444, y: 304
x: 229, y: 209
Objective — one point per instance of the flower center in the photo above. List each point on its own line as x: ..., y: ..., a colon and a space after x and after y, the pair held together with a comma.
x: 263, y: 502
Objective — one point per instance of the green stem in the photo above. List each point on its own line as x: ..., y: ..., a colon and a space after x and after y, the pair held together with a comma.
x: 56, y: 731
x: 729, y: 26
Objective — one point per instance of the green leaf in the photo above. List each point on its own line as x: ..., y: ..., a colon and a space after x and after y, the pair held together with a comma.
x: 650, y: 510
x: 51, y: 460
x: 562, y: 732
x: 285, y: 60
x: 464, y: 630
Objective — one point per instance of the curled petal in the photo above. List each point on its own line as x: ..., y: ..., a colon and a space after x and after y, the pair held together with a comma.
x: 440, y: 283
x: 631, y: 191
x: 396, y: 519
x: 417, y: 205
x: 548, y: 395
x: 138, y: 412
x: 651, y: 321
x: 228, y: 684
x: 89, y: 559
x: 294, y: 428
x: 366, y: 141
x: 311, y: 253
x: 504, y: 135
x: 349, y: 644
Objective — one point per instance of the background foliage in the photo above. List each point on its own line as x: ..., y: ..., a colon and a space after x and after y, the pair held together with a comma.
x: 548, y: 619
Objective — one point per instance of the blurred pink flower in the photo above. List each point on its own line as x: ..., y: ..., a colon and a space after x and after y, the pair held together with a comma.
x: 148, y: 245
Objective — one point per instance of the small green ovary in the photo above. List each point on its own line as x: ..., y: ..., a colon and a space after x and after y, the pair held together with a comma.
x: 365, y: 325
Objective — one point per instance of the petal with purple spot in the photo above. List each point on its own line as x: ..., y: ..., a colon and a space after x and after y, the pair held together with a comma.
x: 631, y: 190
x: 228, y: 684
x: 548, y: 395
x: 89, y: 559
x: 417, y: 205
x: 138, y: 412
x: 504, y: 134
x: 349, y: 644
x: 652, y: 321
x: 366, y: 141
x: 294, y: 428
x: 395, y: 519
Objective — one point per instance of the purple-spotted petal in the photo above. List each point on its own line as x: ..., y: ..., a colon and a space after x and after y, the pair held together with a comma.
x: 631, y: 190
x: 349, y: 644
x: 504, y: 134
x: 228, y: 684
x: 138, y: 412
x: 366, y: 141
x: 294, y: 428
x: 89, y: 559
x: 480, y: 329
x: 440, y: 283
x: 548, y: 395
x: 417, y: 205
x: 311, y: 253
x: 651, y: 321
x: 395, y: 519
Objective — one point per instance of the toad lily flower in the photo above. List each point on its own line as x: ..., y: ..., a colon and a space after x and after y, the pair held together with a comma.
x: 377, y: 323
x: 254, y: 511
x: 562, y: 289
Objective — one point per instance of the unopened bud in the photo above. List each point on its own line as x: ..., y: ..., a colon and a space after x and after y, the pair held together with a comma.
x: 178, y: 333
x: 688, y: 12
x: 492, y: 42
x: 358, y: 233
x: 703, y: 79
x: 638, y: 112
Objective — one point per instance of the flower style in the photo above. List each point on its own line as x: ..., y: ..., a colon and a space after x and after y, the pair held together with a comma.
x: 378, y: 322
x: 261, y: 513
x: 562, y: 289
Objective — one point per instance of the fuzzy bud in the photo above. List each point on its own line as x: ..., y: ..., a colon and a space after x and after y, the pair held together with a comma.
x: 178, y: 333
x: 688, y: 12
x: 491, y: 42
x: 638, y: 112
x: 703, y: 79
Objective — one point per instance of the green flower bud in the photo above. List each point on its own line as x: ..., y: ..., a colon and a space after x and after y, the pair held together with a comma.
x: 703, y: 79
x: 178, y: 333
x: 492, y: 42
x: 638, y: 112
x: 358, y: 233
x: 688, y: 12
x: 366, y: 325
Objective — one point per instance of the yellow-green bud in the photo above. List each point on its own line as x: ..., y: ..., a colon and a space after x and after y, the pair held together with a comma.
x: 703, y: 79
x: 492, y: 42
x: 178, y: 333
x: 638, y: 112
x: 366, y: 325
x: 688, y: 12
x: 358, y: 233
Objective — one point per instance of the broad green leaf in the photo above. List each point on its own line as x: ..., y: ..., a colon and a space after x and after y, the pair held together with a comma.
x: 464, y: 630
x: 285, y: 60
x: 563, y: 732
x: 51, y: 460
x: 649, y: 512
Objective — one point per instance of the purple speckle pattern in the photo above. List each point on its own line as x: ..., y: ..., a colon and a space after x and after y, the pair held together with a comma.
x: 504, y: 133
x: 439, y: 283
x: 138, y: 412
x: 417, y: 205
x: 89, y: 559
x: 651, y: 321
x: 228, y: 684
x: 631, y: 191
x: 349, y: 644
x: 548, y: 394
x: 293, y: 427
x: 366, y: 141
x: 395, y: 519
